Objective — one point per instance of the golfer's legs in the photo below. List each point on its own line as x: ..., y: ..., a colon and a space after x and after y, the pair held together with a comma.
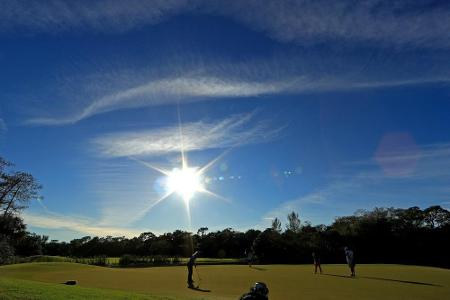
x: 189, y: 275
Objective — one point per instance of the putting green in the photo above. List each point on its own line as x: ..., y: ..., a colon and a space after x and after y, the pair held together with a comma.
x: 229, y: 281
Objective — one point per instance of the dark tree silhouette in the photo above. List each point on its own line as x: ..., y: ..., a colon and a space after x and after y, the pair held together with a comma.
x: 17, y: 189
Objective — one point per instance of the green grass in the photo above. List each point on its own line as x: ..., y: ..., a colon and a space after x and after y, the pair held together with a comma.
x: 24, y: 289
x: 386, y: 282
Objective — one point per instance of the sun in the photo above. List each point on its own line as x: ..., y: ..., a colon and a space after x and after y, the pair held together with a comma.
x: 185, y: 182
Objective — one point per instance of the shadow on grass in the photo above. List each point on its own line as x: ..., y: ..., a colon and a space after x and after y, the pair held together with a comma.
x: 385, y: 279
x: 258, y: 268
x: 198, y: 289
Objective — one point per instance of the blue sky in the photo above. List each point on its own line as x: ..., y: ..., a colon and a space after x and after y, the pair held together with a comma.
x: 317, y: 107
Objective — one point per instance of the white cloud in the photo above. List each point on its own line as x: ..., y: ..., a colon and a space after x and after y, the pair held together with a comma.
x: 311, y: 22
x: 187, y: 89
x: 81, y: 225
x: 101, y: 15
x: 306, y: 22
x: 169, y: 91
x: 234, y: 131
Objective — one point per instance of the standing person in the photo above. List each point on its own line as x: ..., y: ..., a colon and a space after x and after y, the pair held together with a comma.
x: 350, y: 260
x: 249, y: 253
x: 316, y: 259
x: 191, y: 263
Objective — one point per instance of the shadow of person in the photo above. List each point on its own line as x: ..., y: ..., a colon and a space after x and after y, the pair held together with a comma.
x: 198, y: 289
x: 335, y: 275
x: 401, y: 281
x: 385, y: 279
x: 258, y: 268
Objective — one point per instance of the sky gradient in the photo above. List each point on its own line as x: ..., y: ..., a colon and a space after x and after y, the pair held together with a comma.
x: 317, y: 107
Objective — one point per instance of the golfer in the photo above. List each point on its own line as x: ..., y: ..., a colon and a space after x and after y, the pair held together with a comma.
x: 350, y: 260
x: 191, y: 263
x: 316, y: 259
x: 249, y: 253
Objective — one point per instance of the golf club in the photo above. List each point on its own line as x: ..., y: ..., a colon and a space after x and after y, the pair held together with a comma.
x: 196, y: 271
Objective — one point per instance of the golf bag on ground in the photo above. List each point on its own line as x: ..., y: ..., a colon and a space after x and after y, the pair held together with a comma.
x: 258, y: 292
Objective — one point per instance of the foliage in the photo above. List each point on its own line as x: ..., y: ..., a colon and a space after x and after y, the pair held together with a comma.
x: 383, y: 235
x: 276, y: 225
x: 17, y: 189
x: 6, y: 252
x: 293, y: 222
x: 145, y: 261
x: 100, y: 260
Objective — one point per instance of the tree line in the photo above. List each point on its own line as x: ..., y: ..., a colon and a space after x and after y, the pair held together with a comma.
x: 382, y: 235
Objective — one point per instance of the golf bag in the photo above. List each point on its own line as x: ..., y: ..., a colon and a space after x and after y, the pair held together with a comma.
x: 258, y: 292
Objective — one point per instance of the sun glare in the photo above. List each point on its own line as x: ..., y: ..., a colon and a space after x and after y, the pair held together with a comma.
x: 185, y: 182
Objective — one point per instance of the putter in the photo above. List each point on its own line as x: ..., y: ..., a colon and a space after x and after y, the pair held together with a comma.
x: 199, y: 279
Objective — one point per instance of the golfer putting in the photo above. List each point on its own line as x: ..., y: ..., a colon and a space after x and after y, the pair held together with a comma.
x: 350, y: 260
x: 191, y: 263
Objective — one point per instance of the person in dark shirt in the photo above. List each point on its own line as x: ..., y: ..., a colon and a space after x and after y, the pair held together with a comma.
x: 350, y: 257
x: 258, y: 292
x: 249, y: 253
x: 190, y: 265
x: 316, y: 259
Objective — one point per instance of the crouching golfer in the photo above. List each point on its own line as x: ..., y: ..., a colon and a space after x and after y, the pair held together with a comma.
x: 350, y: 260
x: 191, y: 263
x: 258, y: 292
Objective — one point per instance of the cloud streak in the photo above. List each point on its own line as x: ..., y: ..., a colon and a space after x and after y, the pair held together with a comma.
x: 398, y: 23
x: 391, y: 23
x: 233, y: 131
x: 169, y: 91
x: 81, y: 225
x: 188, y: 89
x: 101, y: 16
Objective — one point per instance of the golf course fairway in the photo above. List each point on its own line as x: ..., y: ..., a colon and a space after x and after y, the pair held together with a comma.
x: 32, y: 280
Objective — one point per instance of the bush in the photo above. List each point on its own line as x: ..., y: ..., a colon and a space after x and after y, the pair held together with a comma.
x: 176, y: 260
x: 101, y: 260
x: 125, y: 260
x: 6, y: 253
x: 142, y: 261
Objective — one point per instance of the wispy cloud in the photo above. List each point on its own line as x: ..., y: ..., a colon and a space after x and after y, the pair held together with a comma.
x: 129, y: 181
x: 233, y: 131
x: 81, y: 225
x: 420, y: 24
x: 397, y: 23
x: 101, y: 16
x: 365, y: 184
x: 169, y: 91
x: 187, y: 89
